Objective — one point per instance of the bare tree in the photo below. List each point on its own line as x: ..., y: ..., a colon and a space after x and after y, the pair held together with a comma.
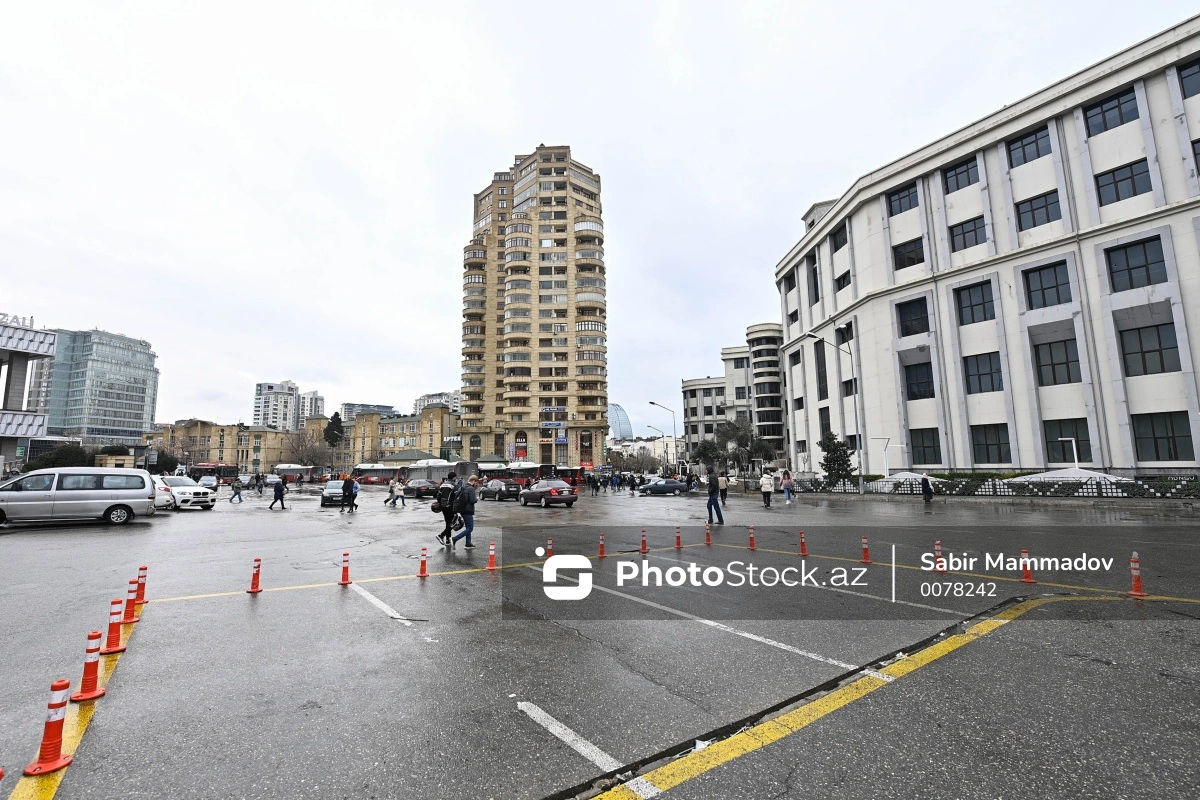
x: 309, y: 448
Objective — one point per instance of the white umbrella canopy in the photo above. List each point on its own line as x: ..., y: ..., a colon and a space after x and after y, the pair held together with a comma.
x: 1069, y: 474
x: 896, y: 477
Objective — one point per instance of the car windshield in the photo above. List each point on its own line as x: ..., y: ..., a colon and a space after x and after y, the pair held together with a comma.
x: 334, y: 484
x: 179, y: 482
x: 556, y: 485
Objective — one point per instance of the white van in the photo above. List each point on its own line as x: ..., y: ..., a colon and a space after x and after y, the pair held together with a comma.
x: 63, y: 493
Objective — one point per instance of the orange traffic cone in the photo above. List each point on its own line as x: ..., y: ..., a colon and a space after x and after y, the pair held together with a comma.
x: 549, y: 546
x: 866, y: 558
x: 752, y: 547
x: 803, y: 546
x: 601, y: 545
x: 939, y: 563
x: 707, y: 533
x: 1135, y: 569
x: 645, y: 549
x: 141, y: 592
x: 50, y: 756
x: 423, y: 572
x: 345, y: 581
x: 113, y: 643
x: 492, y: 556
x: 254, y: 576
x: 131, y: 604
x: 678, y: 539
x: 91, y: 671
x: 1026, y: 572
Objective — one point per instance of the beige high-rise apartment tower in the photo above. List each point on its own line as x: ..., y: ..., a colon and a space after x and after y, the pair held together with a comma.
x: 535, y: 356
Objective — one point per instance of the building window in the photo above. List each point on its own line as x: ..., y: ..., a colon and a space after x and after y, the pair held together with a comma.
x: 902, y: 199
x: 1057, y: 362
x: 983, y: 373
x: 798, y: 404
x: 1029, y: 147
x: 844, y: 334
x: 842, y: 281
x: 793, y: 358
x: 789, y: 281
x: 1165, y: 436
x: 838, y: 238
x: 914, y: 317
x: 708, y: 427
x: 908, y: 254
x: 695, y: 429
x: 823, y: 420
x: 793, y: 317
x: 1048, y: 286
x: 849, y: 387
x: 708, y: 411
x: 975, y: 303
x: 1060, y: 452
x: 1038, y: 211
x: 925, y: 446
x: 1189, y: 78
x: 822, y: 372
x: 739, y: 393
x: 989, y: 444
x: 706, y: 392
x: 1150, y: 350
x: 1112, y: 112
x: 1124, y: 182
x: 1135, y: 265
x: 961, y: 175
x: 918, y: 381
x: 967, y: 234
x: 814, y: 281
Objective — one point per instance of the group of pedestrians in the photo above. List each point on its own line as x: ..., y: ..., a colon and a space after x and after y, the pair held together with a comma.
x: 456, y: 501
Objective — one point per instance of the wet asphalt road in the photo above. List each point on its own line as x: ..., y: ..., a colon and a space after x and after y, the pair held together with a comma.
x: 315, y: 691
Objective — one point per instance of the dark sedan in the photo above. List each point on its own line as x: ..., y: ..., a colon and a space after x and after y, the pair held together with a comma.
x: 664, y: 486
x: 420, y: 488
x: 500, y: 490
x: 546, y: 493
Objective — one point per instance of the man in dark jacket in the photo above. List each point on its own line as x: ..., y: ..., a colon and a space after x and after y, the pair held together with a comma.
x: 280, y: 489
x: 464, y: 504
x: 714, y: 497
x: 445, y: 499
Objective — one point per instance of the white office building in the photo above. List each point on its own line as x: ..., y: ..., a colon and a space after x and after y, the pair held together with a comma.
x: 451, y: 399
x: 1019, y: 291
x: 277, y: 405
x: 312, y: 404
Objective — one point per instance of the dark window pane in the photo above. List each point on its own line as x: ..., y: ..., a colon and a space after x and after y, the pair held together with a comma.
x: 925, y: 445
x: 1047, y: 286
x: 1111, y: 112
x: 1059, y: 452
x: 902, y: 199
x: 961, y: 175
x: 839, y: 238
x: 914, y: 317
x: 1057, y: 362
x: 918, y: 381
x: 975, y: 303
x: 1123, y: 182
x: 982, y: 373
x: 1135, y: 265
x: 1165, y: 436
x: 967, y: 234
x: 989, y: 444
x: 908, y: 254
x: 1150, y: 350
x: 1189, y: 78
x: 1038, y: 211
x: 822, y: 371
x: 1029, y: 147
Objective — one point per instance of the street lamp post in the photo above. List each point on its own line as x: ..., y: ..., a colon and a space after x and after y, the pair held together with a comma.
x: 857, y: 388
x: 674, y: 430
x: 661, y: 433
x: 1074, y: 448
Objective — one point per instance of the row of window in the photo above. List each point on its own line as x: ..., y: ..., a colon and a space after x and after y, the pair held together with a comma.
x: 1163, y: 436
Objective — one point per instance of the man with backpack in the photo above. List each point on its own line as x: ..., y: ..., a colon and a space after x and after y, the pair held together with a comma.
x: 447, y: 494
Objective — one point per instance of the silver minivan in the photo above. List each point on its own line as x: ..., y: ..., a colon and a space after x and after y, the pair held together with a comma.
x: 62, y: 493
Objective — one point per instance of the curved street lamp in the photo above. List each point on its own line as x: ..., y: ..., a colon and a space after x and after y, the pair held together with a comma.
x: 674, y: 434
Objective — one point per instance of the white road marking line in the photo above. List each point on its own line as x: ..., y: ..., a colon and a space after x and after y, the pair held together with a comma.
x: 382, y: 606
x: 735, y: 631
x: 572, y: 739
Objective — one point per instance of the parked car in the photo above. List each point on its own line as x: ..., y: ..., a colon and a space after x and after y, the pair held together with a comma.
x: 183, y: 492
x: 420, y: 488
x: 247, y: 481
x: 331, y: 493
x: 498, y: 489
x: 113, y: 495
x: 664, y: 486
x: 546, y: 493
x: 271, y: 480
x: 209, y: 482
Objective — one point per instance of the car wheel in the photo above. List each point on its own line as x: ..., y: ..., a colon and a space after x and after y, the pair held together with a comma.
x: 524, y: 501
x: 545, y: 503
x: 118, y: 515
x: 570, y: 504
x: 3, y: 518
x: 677, y: 493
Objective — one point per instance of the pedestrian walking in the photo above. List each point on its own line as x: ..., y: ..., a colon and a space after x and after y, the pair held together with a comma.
x: 236, y: 488
x: 723, y: 486
x: 926, y: 489
x: 714, y: 498
x: 767, y: 486
x: 280, y: 490
x: 354, y: 487
x: 446, y: 495
x: 464, y: 506
x: 788, y: 486
x: 395, y: 492
x: 258, y: 484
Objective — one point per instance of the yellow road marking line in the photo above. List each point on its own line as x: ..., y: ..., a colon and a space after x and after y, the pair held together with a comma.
x: 79, y: 716
x: 697, y: 763
x: 952, y: 572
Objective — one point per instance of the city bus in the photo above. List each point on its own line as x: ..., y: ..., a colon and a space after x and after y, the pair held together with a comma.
x: 572, y: 475
x: 436, y: 469
x: 528, y: 473
x: 291, y: 473
x: 374, y: 473
x: 224, y: 473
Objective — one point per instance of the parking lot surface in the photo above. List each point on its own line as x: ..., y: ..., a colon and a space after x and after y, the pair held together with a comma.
x: 471, y: 683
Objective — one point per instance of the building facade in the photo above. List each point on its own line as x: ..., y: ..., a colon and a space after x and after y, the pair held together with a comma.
x: 253, y: 448
x: 751, y: 389
x: 372, y: 438
x: 312, y: 404
x: 100, y: 387
x: 1018, y: 294
x: 22, y: 351
x: 451, y: 399
x: 350, y: 410
x: 535, y: 356
x: 277, y: 405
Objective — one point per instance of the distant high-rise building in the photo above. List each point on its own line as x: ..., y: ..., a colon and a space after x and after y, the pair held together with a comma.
x: 312, y: 404
x: 537, y: 231
x: 451, y: 399
x: 101, y: 387
x: 277, y: 405
x: 351, y: 410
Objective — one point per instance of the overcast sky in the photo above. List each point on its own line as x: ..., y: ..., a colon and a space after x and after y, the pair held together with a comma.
x: 283, y: 191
